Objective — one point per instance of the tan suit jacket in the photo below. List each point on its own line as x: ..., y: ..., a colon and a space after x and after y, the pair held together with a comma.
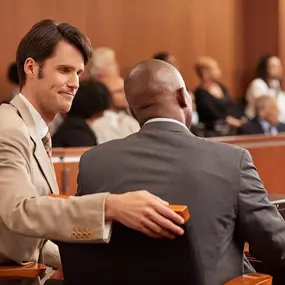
x: 28, y: 217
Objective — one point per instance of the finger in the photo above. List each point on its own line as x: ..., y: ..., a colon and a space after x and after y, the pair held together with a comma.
x: 168, y: 213
x: 149, y: 232
x: 159, y: 231
x: 166, y: 224
x: 160, y: 200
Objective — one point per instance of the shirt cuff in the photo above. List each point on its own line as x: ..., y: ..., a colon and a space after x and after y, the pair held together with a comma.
x: 107, y: 231
x: 107, y: 225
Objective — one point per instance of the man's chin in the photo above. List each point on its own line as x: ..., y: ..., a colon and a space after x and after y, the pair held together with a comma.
x: 65, y: 108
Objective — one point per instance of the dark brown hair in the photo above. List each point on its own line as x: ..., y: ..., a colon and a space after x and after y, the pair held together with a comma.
x: 40, y: 43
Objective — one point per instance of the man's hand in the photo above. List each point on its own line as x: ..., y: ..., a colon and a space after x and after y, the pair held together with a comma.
x: 144, y: 212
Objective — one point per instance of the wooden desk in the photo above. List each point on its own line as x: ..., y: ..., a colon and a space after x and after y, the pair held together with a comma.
x: 268, y: 154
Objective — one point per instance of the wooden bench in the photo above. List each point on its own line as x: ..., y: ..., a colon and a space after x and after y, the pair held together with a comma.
x: 251, y: 279
x: 29, y: 271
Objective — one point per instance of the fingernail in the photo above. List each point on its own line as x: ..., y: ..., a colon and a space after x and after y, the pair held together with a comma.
x: 181, y: 232
x: 182, y: 221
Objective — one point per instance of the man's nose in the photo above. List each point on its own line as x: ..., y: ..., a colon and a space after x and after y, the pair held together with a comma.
x: 74, y: 81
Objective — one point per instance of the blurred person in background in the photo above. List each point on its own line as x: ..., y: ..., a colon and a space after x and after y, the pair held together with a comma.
x: 116, y: 123
x: 266, y: 120
x: 103, y: 63
x: 92, y: 99
x: 13, y: 79
x: 168, y: 57
x: 214, y: 106
x: 267, y: 81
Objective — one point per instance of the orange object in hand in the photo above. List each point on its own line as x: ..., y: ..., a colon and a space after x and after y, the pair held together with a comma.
x: 181, y: 210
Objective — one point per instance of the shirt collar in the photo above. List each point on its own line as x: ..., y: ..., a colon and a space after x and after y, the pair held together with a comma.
x: 165, y: 120
x: 40, y: 124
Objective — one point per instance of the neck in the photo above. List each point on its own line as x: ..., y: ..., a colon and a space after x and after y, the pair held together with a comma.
x: 207, y: 83
x: 47, y: 117
x: 114, y: 109
x: 160, y: 114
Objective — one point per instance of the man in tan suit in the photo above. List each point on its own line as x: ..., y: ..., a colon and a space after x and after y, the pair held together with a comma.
x: 50, y: 59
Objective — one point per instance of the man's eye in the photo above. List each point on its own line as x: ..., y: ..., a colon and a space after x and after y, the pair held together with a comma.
x: 64, y: 70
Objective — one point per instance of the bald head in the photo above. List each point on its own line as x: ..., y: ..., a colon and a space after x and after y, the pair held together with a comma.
x: 155, y: 88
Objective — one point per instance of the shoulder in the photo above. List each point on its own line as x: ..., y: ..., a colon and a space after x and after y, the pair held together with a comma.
x: 130, y: 120
x: 199, y: 90
x: 11, y: 121
x: 258, y: 83
x: 218, y: 148
x: 281, y: 127
x: 100, y: 122
x: 108, y: 149
x: 14, y: 134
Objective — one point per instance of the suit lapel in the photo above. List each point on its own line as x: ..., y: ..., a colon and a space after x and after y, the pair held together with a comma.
x: 40, y: 153
x: 259, y: 128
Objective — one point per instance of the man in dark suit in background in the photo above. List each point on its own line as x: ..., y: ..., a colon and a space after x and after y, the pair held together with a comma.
x: 267, y: 119
x: 218, y: 183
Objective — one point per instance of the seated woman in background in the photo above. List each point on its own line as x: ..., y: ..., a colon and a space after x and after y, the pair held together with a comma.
x: 215, y: 109
x: 90, y: 102
x: 267, y: 81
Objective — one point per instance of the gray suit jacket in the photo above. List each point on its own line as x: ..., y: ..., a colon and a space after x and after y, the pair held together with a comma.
x: 218, y: 183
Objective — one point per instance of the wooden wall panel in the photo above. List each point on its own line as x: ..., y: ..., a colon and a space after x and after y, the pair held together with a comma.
x: 281, y: 34
x: 136, y: 30
x: 260, y: 33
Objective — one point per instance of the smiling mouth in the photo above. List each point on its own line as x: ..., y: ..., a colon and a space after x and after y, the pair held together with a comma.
x: 67, y: 94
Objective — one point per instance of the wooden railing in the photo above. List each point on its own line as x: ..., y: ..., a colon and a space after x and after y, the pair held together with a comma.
x: 268, y: 153
x: 65, y: 161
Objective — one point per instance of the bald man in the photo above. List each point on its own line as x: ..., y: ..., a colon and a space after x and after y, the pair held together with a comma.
x: 115, y: 123
x: 218, y: 183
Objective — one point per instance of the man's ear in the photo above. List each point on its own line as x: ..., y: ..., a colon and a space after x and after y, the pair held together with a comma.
x: 181, y: 98
x: 31, y: 67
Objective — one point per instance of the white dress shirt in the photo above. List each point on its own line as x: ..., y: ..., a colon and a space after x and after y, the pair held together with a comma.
x: 165, y: 120
x: 41, y: 125
x: 114, y: 126
x: 259, y: 87
x: 268, y: 129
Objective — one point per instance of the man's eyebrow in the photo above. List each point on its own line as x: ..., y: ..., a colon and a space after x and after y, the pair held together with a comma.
x: 69, y: 67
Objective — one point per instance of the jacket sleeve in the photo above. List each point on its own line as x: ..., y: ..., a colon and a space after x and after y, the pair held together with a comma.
x: 23, y: 211
x: 259, y: 222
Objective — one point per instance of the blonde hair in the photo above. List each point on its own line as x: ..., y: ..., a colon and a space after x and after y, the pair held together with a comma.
x: 99, y: 57
x: 204, y: 62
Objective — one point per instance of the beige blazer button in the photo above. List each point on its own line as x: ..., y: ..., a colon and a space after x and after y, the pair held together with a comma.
x: 89, y: 234
x: 74, y: 235
x: 84, y: 234
x: 79, y: 235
